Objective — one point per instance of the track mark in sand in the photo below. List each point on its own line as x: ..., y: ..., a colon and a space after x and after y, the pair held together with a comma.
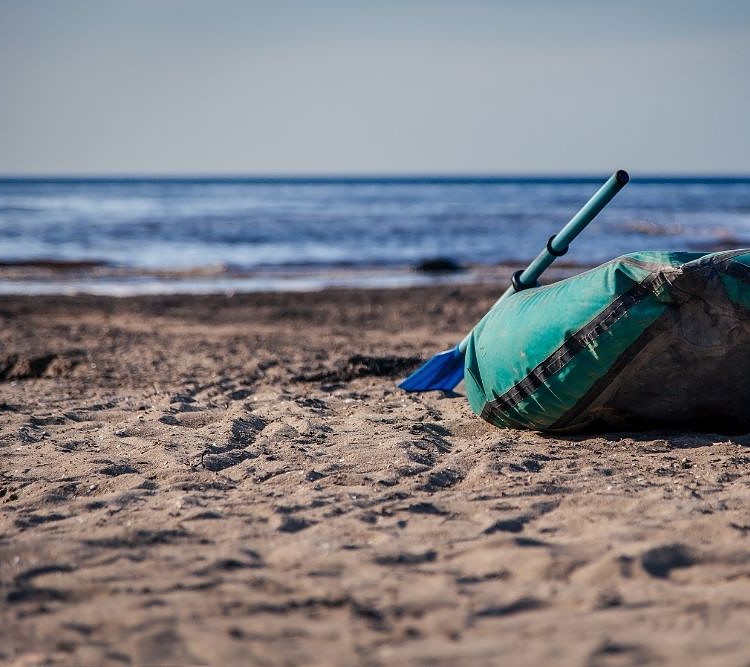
x: 224, y: 565
x: 140, y: 539
x: 117, y: 469
x: 543, y: 489
x: 375, y: 617
x: 239, y: 394
x: 31, y: 434
x: 530, y: 542
x: 191, y: 419
x: 24, y: 590
x: 614, y: 654
x: 360, y: 365
x: 423, y: 453
x: 170, y: 420
x: 527, y: 465
x: 468, y: 580
x: 165, y: 646
x: 517, y: 606
x: 292, y: 509
x: 442, y: 479
x: 407, y: 558
x: 208, y: 515
x: 311, y: 604
x: 82, y: 413
x: 181, y: 398
x: 183, y: 403
x: 370, y: 518
x: 218, y: 461
x: 244, y: 432
x: 660, y: 561
x: 293, y: 524
x: 31, y: 520
x: 316, y: 405
x: 514, y: 525
x: 27, y: 575
x: 49, y: 420
x: 430, y: 428
x: 203, y: 486
x: 246, y: 429
x: 37, y: 595
x: 99, y: 407
x: 411, y: 470
x: 425, y: 508
x: 419, y: 454
x: 59, y: 494
x: 222, y: 390
x: 608, y: 598
x: 432, y: 433
x: 17, y: 367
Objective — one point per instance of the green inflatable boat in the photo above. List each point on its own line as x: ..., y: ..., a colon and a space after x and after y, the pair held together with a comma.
x: 648, y: 339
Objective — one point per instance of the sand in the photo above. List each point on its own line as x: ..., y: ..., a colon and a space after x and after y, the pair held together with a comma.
x: 236, y: 480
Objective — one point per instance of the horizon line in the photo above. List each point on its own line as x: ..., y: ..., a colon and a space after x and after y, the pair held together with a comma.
x: 374, y: 177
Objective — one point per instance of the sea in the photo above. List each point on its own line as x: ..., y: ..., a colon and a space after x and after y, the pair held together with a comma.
x: 126, y: 236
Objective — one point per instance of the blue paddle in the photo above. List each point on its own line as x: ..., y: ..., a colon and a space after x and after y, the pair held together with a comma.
x: 446, y: 369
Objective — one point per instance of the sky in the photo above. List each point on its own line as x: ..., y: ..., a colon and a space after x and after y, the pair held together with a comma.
x: 220, y: 87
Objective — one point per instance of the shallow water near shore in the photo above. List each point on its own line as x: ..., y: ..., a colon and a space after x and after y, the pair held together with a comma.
x: 138, y: 236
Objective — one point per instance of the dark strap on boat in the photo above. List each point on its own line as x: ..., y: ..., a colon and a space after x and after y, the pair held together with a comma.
x: 570, y: 347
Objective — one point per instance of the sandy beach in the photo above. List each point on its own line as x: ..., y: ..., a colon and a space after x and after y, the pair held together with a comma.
x: 226, y: 480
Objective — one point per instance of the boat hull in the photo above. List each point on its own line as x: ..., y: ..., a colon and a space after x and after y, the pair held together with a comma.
x: 649, y: 340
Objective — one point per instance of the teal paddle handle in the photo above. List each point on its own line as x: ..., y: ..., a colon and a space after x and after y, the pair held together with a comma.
x: 558, y: 244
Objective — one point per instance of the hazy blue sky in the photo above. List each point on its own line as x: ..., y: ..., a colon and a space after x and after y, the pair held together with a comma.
x: 382, y: 86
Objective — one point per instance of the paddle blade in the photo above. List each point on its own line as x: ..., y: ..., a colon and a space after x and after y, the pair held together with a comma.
x: 443, y: 372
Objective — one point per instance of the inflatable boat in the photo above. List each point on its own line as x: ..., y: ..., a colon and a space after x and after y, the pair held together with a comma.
x: 649, y: 339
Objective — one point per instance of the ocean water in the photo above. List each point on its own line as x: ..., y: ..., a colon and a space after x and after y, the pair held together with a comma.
x: 146, y: 235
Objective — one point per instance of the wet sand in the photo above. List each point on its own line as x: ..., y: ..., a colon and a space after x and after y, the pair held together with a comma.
x: 235, y: 480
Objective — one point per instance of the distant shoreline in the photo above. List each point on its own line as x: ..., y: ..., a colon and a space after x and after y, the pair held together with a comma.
x: 47, y: 277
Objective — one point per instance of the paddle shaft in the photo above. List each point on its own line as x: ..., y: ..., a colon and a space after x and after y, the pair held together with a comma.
x: 558, y: 244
